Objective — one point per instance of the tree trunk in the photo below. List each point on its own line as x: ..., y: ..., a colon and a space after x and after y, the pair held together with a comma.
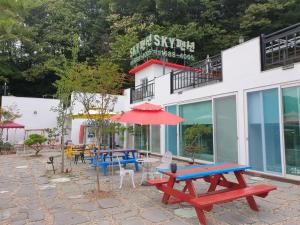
x: 98, y: 142
x: 37, y: 152
x: 62, y: 149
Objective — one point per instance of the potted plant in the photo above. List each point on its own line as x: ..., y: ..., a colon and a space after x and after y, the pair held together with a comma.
x: 193, y: 139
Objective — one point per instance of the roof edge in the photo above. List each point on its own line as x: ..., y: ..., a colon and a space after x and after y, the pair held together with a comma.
x: 157, y: 62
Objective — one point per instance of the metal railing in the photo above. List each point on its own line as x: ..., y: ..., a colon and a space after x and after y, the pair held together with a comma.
x: 199, y: 74
x: 280, y: 48
x: 142, y: 92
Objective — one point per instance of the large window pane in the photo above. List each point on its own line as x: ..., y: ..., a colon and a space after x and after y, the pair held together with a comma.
x: 225, y: 118
x: 272, y: 130
x: 291, y: 106
x: 263, y: 131
x: 155, y: 138
x: 171, y: 133
x: 196, y: 132
x: 140, y: 137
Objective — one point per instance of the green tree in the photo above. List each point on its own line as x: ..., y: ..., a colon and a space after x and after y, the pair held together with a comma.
x: 267, y: 16
x: 64, y: 87
x: 96, y: 88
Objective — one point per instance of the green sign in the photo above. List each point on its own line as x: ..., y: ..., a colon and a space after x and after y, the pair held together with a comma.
x: 162, y: 46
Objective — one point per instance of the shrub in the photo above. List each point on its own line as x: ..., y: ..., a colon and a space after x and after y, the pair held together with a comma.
x: 35, y: 142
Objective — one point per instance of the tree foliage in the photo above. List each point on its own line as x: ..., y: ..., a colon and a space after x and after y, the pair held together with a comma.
x: 37, y: 36
x: 193, y: 139
x: 35, y: 141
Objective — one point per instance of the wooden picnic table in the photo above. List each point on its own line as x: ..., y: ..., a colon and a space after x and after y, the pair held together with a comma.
x: 215, y: 175
x: 104, y: 158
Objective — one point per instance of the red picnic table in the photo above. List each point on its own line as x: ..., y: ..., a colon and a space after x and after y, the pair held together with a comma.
x: 213, y: 174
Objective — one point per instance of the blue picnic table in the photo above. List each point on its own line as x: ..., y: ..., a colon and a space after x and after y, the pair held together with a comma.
x: 105, y: 158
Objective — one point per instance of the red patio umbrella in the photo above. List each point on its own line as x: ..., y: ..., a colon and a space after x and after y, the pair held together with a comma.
x: 11, y: 125
x: 147, y: 114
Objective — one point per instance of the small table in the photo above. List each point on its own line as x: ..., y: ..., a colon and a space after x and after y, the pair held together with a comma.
x: 147, y: 162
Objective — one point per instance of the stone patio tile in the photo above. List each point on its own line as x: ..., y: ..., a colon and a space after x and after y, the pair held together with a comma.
x: 156, y: 215
x: 69, y: 218
x: 126, y: 214
x: 54, y: 205
x: 89, y: 206
x: 233, y: 218
x: 133, y: 221
x: 4, y: 215
x: 108, y: 203
x: 265, y: 205
x: 288, y: 196
x: 35, y: 215
x: 20, y: 222
x: 38, y: 223
x: 269, y: 217
x: 176, y: 222
x: 97, y: 215
x: 19, y: 216
x: 104, y: 222
x: 6, y: 203
x: 288, y: 212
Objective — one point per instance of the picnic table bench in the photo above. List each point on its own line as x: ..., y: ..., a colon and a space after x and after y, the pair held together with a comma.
x: 105, y: 158
x: 215, y: 175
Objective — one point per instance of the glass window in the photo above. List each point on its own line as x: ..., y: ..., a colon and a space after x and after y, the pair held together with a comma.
x: 225, y: 129
x: 264, y: 131
x: 196, y: 132
x: 171, y: 133
x: 291, y: 118
x: 155, y: 138
x: 140, y: 137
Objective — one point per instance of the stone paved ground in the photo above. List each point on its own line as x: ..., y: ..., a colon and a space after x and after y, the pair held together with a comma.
x: 29, y: 194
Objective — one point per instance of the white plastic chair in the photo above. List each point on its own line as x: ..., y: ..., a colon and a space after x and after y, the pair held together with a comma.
x: 165, y: 162
x: 123, y: 173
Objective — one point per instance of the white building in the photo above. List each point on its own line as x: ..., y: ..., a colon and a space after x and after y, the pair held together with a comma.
x: 36, y: 115
x: 248, y: 96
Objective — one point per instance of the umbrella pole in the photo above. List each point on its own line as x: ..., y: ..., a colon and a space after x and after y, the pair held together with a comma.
x: 147, y: 149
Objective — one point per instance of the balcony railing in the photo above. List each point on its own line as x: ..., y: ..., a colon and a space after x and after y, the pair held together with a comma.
x: 202, y: 73
x: 280, y: 48
x: 142, y: 92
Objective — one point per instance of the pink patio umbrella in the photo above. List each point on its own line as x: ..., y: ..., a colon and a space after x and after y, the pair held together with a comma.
x: 147, y: 114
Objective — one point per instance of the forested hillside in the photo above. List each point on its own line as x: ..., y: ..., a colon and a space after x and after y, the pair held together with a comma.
x: 38, y: 37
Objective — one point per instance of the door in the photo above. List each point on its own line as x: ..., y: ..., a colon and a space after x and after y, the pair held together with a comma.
x: 264, y: 131
x: 291, y: 120
x: 225, y: 129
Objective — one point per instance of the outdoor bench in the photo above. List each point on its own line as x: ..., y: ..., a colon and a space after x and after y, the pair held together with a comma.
x: 260, y: 190
x: 158, y: 181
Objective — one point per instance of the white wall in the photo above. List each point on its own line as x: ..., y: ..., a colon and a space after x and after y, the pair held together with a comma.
x: 44, y: 117
x: 241, y: 73
x: 151, y: 72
